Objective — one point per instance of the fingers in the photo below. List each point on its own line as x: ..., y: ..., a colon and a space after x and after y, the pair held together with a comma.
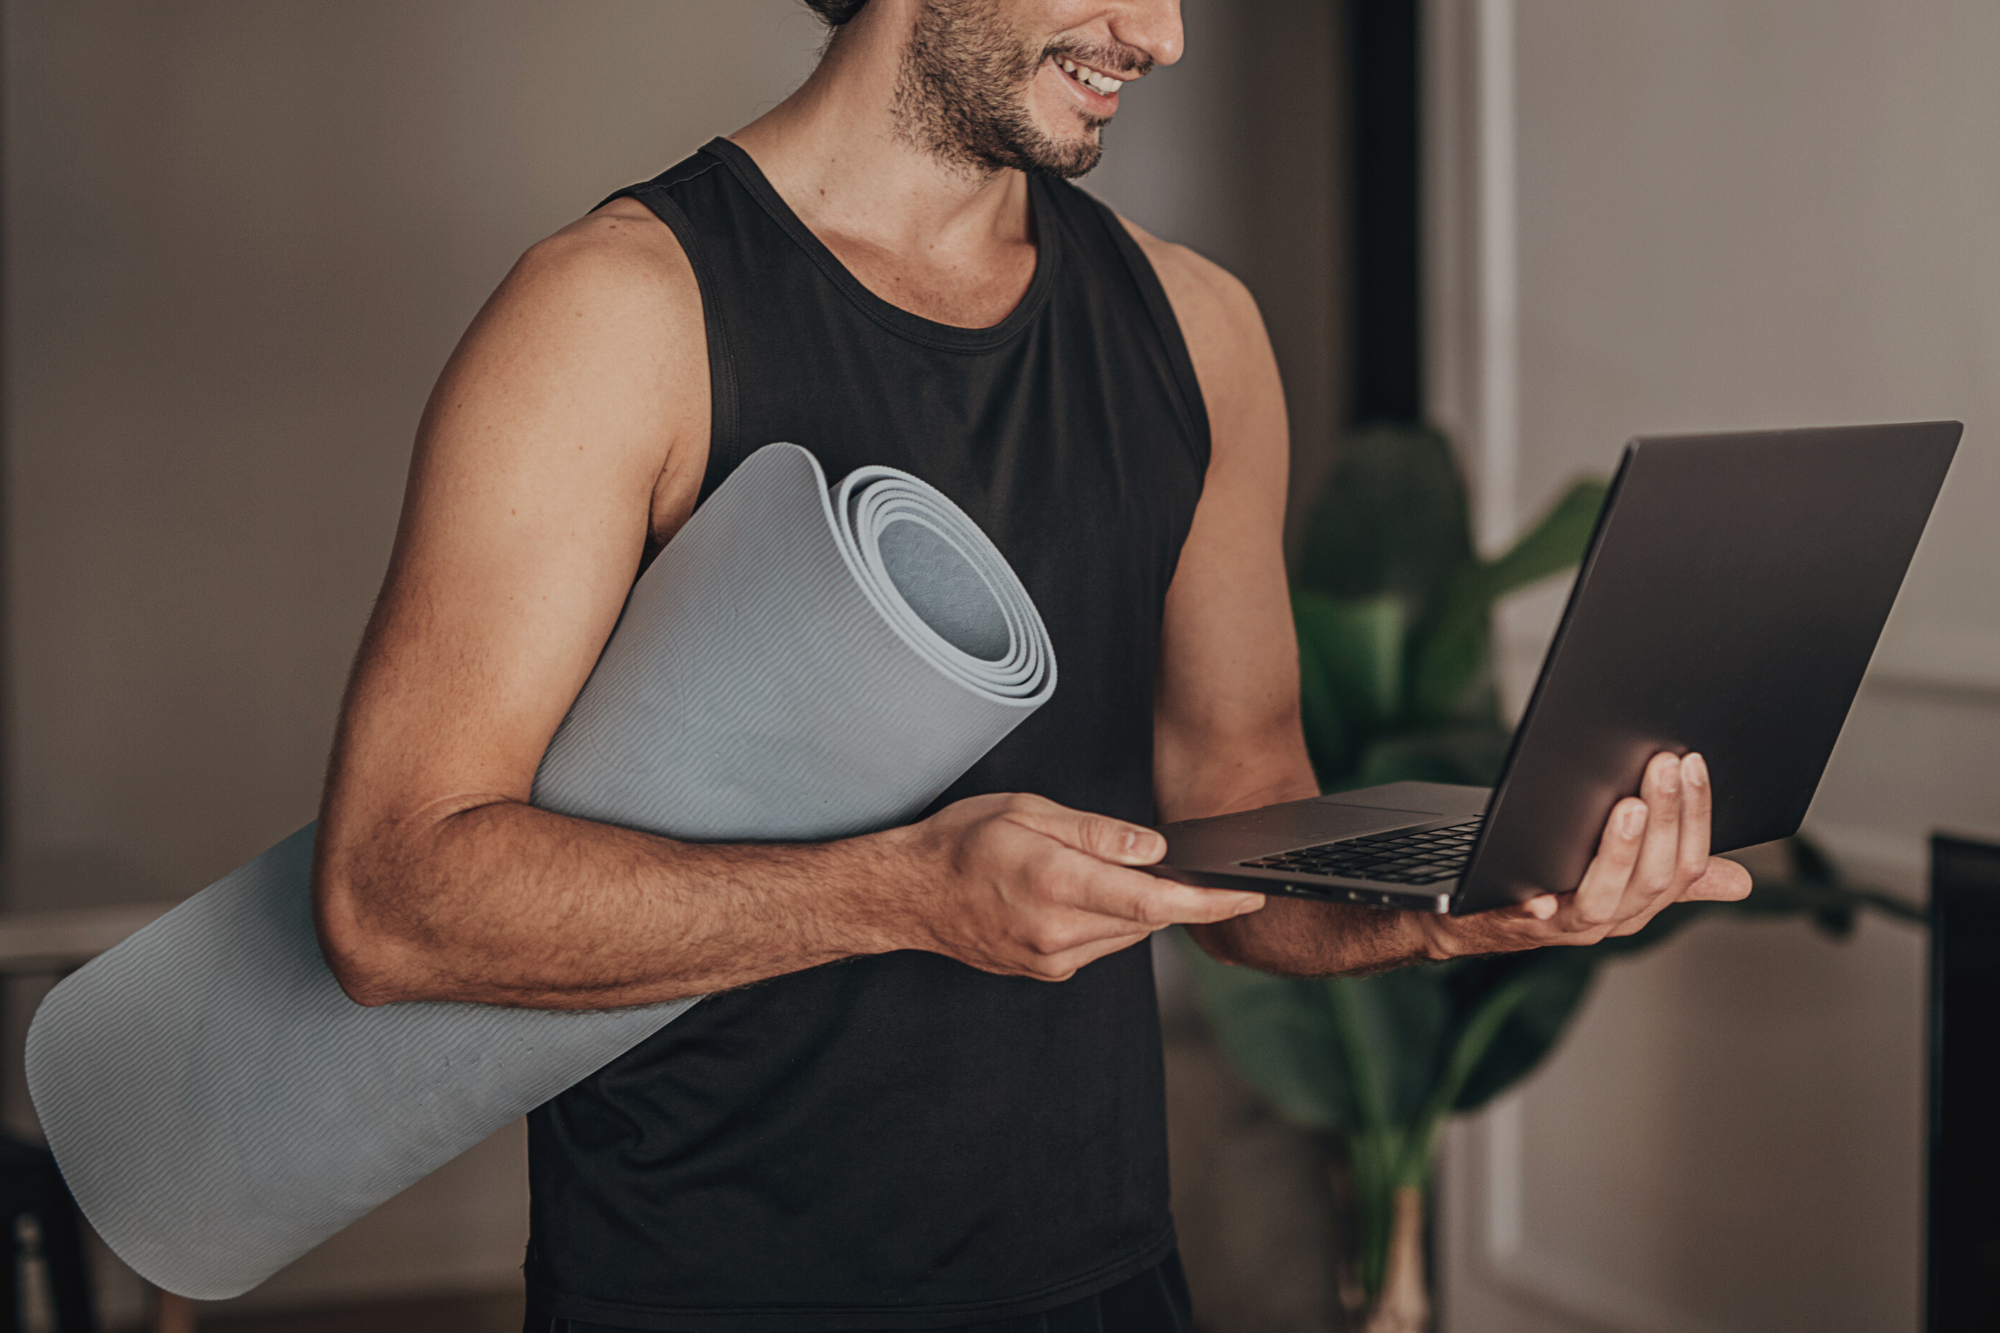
x: 1654, y: 851
x: 1107, y: 908
x: 1039, y: 889
x: 1652, y: 848
x: 1660, y: 852
x: 1604, y: 883
x: 1100, y: 836
x: 1724, y: 881
x: 1133, y: 895
x: 1063, y: 966
x: 1697, y: 804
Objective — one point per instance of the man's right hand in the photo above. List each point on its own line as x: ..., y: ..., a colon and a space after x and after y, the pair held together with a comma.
x: 1022, y: 886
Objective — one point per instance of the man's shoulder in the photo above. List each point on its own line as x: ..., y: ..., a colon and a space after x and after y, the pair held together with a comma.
x: 1186, y: 273
x: 619, y: 256
x: 1217, y: 314
x: 1219, y: 319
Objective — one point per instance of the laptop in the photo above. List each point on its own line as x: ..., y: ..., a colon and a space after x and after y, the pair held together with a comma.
x: 1729, y: 601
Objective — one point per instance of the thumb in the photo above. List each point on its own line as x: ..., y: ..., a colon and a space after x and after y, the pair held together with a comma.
x: 1100, y: 836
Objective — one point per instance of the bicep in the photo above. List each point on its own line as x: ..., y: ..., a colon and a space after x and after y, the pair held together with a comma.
x: 530, y: 498
x: 1227, y: 731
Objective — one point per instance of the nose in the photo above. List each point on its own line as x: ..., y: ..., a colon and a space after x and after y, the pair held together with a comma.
x: 1153, y: 26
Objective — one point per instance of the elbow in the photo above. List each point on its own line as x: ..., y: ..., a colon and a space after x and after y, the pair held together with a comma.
x: 365, y: 960
x: 362, y: 977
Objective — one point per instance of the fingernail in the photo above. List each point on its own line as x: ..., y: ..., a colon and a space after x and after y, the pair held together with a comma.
x: 1633, y: 821
x: 1143, y: 845
x: 1250, y: 903
x: 1695, y: 769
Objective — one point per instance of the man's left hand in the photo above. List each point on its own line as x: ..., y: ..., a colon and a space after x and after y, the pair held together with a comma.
x: 1654, y: 851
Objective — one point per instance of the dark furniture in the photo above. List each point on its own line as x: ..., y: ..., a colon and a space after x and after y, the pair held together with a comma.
x: 43, y: 1282
x: 1962, y: 1241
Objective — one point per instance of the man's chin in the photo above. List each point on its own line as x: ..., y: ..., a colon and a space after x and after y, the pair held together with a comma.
x: 1067, y: 157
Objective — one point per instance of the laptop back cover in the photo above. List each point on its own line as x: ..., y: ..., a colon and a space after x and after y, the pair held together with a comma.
x: 1729, y: 604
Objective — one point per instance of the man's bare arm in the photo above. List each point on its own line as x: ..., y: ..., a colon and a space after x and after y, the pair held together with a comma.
x: 1227, y: 728
x: 1226, y: 719
x: 569, y: 429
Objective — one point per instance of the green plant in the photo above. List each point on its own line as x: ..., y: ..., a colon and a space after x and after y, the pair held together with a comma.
x: 1393, y: 612
x: 1392, y: 607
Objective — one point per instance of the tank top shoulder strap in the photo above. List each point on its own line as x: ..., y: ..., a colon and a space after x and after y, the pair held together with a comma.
x: 1091, y: 220
x: 689, y: 198
x: 658, y: 194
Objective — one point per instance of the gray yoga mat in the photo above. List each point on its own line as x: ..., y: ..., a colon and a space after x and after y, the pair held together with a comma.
x: 798, y: 663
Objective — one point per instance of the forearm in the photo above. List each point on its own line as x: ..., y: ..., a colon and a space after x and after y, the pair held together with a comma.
x: 1292, y: 937
x: 1289, y: 937
x: 503, y: 903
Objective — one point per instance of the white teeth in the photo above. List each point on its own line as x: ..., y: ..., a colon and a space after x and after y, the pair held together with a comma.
x: 1090, y: 78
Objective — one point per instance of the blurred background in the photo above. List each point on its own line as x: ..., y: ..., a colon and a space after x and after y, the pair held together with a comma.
x: 241, y: 237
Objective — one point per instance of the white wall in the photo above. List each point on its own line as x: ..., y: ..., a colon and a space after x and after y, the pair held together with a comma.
x: 1693, y: 216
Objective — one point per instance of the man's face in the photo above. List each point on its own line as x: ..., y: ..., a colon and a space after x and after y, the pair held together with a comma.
x: 1026, y: 84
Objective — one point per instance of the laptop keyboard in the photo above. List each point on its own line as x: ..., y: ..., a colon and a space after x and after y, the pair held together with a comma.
x: 1428, y: 857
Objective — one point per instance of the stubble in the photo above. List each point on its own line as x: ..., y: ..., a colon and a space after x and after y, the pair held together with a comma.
x: 962, y: 96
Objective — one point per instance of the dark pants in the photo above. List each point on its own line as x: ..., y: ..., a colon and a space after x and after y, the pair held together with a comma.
x: 1156, y: 1301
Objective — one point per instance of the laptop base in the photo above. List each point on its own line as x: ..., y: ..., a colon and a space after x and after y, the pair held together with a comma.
x: 1210, y: 853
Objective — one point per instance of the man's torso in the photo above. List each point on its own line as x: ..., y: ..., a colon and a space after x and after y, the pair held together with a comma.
x: 904, y: 1141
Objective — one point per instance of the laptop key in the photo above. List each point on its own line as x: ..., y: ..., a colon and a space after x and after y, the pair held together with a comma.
x: 1427, y: 857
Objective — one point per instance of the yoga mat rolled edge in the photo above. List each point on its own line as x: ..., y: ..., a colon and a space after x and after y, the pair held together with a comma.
x: 219, y: 1106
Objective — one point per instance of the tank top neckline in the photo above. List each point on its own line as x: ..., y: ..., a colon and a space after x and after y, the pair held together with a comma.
x: 901, y: 322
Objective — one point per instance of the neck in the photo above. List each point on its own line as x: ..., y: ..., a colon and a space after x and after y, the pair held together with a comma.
x: 838, y: 155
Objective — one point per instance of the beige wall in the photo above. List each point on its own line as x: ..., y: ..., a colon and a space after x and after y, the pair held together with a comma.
x: 1217, y: 154
x: 242, y: 236
x: 1692, y: 216
x: 241, y: 239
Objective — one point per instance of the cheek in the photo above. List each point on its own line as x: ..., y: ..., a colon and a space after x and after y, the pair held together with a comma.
x: 1057, y: 106
x: 1050, y: 84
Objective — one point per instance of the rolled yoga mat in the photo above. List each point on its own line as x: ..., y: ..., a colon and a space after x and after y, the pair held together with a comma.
x: 796, y: 664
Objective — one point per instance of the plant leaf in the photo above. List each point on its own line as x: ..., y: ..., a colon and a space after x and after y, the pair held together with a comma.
x: 1392, y: 520
x: 1357, y: 646
x: 1280, y: 1036
x: 1331, y: 741
x: 1470, y: 755
x: 1553, y: 545
x: 1555, y: 982
x: 1451, y: 659
x: 1405, y: 1023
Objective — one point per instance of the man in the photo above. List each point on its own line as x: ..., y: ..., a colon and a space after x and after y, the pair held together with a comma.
x: 961, y: 1123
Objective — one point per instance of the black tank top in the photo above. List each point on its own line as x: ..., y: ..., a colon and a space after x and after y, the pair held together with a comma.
x: 901, y: 1141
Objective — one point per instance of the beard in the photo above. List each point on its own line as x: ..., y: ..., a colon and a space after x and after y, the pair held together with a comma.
x: 962, y: 93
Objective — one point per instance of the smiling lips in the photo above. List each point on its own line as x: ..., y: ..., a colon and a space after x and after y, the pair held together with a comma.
x: 1103, y: 84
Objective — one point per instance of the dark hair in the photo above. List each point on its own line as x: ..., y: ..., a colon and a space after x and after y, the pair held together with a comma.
x: 835, y: 13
